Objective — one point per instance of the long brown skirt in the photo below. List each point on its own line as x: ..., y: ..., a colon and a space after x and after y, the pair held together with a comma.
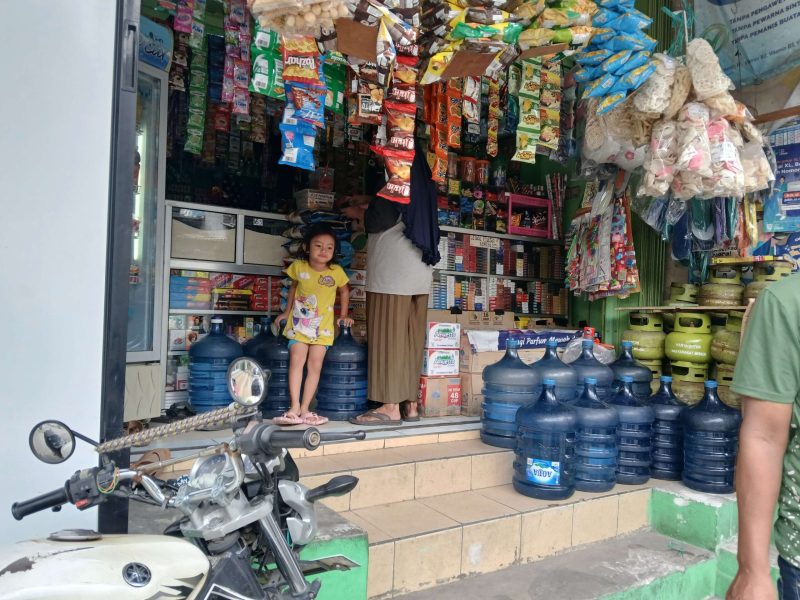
x: 396, y: 330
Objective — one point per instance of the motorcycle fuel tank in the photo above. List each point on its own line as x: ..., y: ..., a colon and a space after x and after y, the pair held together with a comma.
x: 122, y: 567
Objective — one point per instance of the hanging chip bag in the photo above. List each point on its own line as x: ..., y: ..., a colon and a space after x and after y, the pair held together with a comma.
x: 398, y: 188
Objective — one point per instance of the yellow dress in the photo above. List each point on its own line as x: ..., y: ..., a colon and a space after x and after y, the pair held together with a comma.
x: 312, y: 318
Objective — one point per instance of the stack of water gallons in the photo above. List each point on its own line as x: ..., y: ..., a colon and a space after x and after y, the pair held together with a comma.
x: 272, y: 353
x: 634, y: 435
x: 596, y: 441
x: 586, y: 365
x: 208, y: 369
x: 667, y: 433
x: 507, y: 385
x: 342, y: 391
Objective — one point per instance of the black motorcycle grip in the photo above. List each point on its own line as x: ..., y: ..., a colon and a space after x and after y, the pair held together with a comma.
x: 48, y: 500
x: 305, y: 438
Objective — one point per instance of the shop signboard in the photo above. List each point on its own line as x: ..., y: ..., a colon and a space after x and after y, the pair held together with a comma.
x: 782, y: 206
x: 755, y: 39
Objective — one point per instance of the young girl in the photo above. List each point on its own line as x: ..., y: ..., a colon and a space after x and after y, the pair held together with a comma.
x: 309, y: 319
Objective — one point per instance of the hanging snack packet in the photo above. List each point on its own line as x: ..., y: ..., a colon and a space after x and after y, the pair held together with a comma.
x: 593, y: 58
x: 454, y: 113
x: 602, y: 35
x: 471, y: 95
x: 528, y: 11
x: 436, y: 66
x: 335, y: 81
x: 600, y: 87
x: 301, y: 61
x: 632, y: 21
x: 297, y: 142
x: 611, y: 101
x: 398, y: 188
x: 266, y: 39
x: 404, y: 81
x: 638, y: 59
x: 386, y: 55
x: 495, y: 112
x: 308, y: 102
x: 400, y: 123
x: 634, y: 80
x: 614, y: 63
x: 586, y: 74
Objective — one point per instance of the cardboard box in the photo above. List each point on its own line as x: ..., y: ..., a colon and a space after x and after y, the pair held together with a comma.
x: 358, y: 311
x: 359, y: 260
x: 314, y: 200
x: 177, y: 339
x: 177, y: 322
x: 440, y: 363
x: 440, y: 396
x: 475, y: 362
x: 471, y: 394
x: 474, y: 319
x: 358, y: 294
x: 443, y: 335
x: 358, y: 277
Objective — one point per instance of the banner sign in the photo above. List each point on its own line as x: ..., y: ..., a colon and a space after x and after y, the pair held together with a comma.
x: 754, y: 39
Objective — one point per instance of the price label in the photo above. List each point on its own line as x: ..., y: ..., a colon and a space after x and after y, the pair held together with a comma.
x: 480, y: 241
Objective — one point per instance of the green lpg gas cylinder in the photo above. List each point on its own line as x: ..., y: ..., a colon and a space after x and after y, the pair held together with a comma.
x: 691, y: 339
x: 688, y: 381
x: 647, y: 336
x: 725, y: 343
x: 725, y: 379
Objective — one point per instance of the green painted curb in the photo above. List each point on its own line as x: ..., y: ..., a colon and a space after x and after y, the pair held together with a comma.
x: 694, y: 583
x: 697, y: 519
x: 337, y: 585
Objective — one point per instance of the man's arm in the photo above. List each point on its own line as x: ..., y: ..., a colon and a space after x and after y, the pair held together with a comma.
x: 762, y: 443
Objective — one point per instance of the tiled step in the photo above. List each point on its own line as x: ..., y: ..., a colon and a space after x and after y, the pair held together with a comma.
x: 407, y: 470
x: 643, y: 565
x: 416, y: 544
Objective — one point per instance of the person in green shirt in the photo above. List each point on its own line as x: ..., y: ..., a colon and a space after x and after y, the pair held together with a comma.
x: 768, y: 467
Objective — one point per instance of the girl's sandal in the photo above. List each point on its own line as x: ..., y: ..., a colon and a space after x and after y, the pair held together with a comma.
x: 313, y: 419
x: 287, y: 419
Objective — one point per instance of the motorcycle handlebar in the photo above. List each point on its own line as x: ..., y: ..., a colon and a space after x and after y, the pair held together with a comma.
x: 306, y: 438
x: 43, y: 502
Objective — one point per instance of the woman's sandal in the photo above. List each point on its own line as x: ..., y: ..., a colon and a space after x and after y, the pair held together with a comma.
x: 373, y: 417
x: 287, y: 419
x: 313, y: 419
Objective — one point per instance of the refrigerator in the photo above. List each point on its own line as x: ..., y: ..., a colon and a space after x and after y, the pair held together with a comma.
x: 145, y: 278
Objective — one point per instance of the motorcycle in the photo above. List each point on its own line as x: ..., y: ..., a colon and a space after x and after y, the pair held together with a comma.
x: 244, y: 514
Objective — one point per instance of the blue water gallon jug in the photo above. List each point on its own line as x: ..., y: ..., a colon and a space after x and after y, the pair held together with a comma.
x: 667, y: 433
x: 508, y: 384
x: 710, y: 443
x: 595, y: 441
x: 634, y: 435
x: 257, y: 347
x: 208, y: 369
x: 552, y: 367
x: 544, y: 463
x: 627, y: 365
x: 276, y: 359
x: 342, y: 390
x: 586, y: 365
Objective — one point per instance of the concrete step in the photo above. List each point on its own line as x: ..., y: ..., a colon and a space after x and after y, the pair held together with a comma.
x: 643, y: 565
x: 422, y: 543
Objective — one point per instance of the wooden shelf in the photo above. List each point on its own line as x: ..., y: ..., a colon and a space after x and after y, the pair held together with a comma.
x: 681, y: 308
x: 504, y: 236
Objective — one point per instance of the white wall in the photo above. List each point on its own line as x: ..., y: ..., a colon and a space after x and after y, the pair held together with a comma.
x: 55, y: 140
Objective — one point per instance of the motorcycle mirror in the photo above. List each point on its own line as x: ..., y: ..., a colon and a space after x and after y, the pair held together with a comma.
x: 52, y: 442
x: 247, y: 381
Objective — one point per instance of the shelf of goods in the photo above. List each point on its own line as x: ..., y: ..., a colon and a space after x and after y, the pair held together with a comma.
x: 220, y: 262
x: 481, y: 270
